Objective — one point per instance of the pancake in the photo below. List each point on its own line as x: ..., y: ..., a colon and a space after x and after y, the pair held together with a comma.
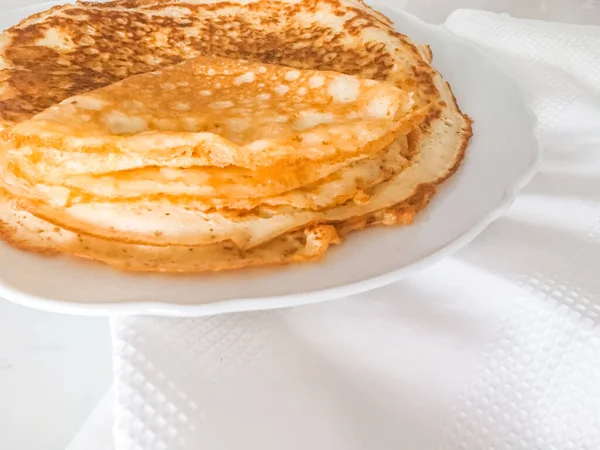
x: 72, y: 49
x: 197, y: 188
x: 28, y: 232
x: 224, y: 113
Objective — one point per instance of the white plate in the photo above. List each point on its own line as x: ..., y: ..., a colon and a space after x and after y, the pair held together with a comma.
x: 502, y: 157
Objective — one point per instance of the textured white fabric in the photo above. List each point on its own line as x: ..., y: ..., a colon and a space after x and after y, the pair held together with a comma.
x: 495, y: 348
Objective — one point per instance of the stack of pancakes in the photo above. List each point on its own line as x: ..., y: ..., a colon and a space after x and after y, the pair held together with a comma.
x: 154, y: 135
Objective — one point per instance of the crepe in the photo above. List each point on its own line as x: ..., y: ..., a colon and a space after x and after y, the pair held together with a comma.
x: 345, y: 36
x: 73, y: 49
x: 224, y: 112
x: 308, y: 186
x: 28, y: 232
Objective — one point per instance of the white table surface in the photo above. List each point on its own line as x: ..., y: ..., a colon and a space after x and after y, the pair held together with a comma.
x: 54, y: 369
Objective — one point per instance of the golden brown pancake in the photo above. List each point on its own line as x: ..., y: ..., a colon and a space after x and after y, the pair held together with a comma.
x: 225, y: 112
x: 28, y: 232
x: 309, y: 186
x: 72, y: 49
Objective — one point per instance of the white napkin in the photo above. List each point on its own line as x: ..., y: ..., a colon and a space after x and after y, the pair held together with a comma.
x: 495, y: 348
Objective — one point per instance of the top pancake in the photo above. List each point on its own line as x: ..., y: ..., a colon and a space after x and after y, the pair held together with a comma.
x: 226, y: 112
x: 72, y: 49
